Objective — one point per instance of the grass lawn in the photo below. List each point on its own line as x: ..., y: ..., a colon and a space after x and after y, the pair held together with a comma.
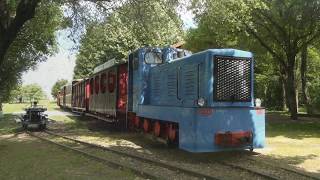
x: 291, y: 142
x: 294, y: 142
x: 24, y: 157
x: 16, y: 107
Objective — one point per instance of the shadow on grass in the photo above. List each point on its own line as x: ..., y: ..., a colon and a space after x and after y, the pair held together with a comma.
x: 67, y: 122
x: 25, y: 157
x: 8, y: 125
x: 282, y: 125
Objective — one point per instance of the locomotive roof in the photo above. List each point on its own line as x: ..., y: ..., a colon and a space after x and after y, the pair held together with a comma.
x: 108, y: 64
x: 80, y: 81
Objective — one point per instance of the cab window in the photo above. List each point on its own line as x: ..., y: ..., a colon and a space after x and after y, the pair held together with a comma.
x: 153, y: 57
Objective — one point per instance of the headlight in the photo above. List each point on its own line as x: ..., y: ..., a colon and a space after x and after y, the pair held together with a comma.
x: 201, y: 102
x: 258, y: 102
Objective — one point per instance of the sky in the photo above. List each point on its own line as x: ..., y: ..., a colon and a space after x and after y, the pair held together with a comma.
x: 61, y: 65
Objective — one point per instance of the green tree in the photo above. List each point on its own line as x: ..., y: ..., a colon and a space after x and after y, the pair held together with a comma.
x: 313, y: 78
x: 16, y: 95
x: 57, y: 87
x: 137, y: 23
x: 33, y: 43
x: 27, y: 36
x: 14, y: 14
x: 33, y: 92
x: 282, y: 28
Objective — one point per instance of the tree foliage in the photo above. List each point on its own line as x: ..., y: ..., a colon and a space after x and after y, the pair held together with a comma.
x: 27, y: 93
x: 34, y: 42
x: 135, y: 24
x: 276, y: 29
x: 57, y: 87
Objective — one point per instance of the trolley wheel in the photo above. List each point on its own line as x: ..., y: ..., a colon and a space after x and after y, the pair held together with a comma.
x: 251, y: 149
x: 42, y: 126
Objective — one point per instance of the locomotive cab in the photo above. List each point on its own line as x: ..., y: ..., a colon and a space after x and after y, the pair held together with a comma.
x: 153, y: 56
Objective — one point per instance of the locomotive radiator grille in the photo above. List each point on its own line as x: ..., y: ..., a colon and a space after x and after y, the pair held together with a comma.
x: 155, y: 84
x: 172, y: 84
x: 232, y: 79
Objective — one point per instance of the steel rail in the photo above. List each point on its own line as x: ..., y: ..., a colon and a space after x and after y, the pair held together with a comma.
x: 99, y: 159
x: 164, y: 165
x: 250, y: 170
x: 147, y: 160
x: 286, y: 168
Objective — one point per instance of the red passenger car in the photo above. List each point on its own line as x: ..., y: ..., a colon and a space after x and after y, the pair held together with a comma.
x: 104, y: 94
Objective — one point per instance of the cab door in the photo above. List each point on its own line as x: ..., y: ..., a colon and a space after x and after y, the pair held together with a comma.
x: 122, y: 88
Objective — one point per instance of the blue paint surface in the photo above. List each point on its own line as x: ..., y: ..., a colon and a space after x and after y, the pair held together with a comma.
x: 170, y: 92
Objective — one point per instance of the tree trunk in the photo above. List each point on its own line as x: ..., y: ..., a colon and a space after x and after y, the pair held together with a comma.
x: 1, y: 113
x: 303, y: 72
x: 283, y: 89
x: 284, y: 97
x: 291, y: 93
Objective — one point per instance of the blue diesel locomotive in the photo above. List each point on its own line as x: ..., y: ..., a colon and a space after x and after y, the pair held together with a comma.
x: 203, y: 102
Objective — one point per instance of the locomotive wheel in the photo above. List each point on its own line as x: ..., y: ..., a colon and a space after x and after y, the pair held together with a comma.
x: 157, y: 128
x: 146, y: 125
x: 136, y: 121
x: 172, y: 133
x: 131, y: 122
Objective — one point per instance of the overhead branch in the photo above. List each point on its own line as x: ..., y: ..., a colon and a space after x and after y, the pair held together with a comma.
x: 311, y: 40
x: 264, y: 44
x: 275, y: 24
x: 271, y: 34
x: 25, y: 11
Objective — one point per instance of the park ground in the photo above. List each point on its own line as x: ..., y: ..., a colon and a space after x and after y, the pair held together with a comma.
x: 291, y: 143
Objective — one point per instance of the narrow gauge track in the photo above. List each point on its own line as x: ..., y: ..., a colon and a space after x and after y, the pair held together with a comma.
x: 165, y: 165
x: 192, y: 172
x: 180, y: 173
x: 268, y: 176
x: 291, y: 170
x: 96, y: 158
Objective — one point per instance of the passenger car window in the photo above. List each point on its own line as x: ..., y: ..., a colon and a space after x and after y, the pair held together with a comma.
x: 91, y: 86
x: 103, y: 82
x: 96, y: 84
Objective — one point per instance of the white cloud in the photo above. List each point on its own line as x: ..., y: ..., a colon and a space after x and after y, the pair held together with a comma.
x: 186, y: 14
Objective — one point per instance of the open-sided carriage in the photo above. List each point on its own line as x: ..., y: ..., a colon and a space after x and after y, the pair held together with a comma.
x: 35, y: 117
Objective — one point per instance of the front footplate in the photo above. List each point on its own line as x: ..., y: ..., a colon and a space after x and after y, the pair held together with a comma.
x: 234, y: 139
